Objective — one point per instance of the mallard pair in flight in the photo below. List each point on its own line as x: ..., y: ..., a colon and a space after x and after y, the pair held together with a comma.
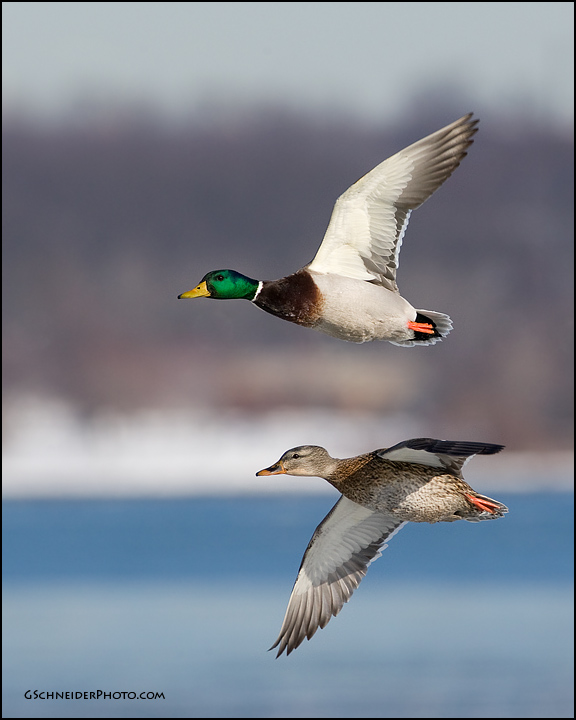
x: 349, y: 291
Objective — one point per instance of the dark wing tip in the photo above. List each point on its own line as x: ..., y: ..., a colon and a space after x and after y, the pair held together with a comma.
x: 286, y: 646
x: 275, y: 646
x: 456, y: 448
x: 467, y: 120
x: 465, y: 129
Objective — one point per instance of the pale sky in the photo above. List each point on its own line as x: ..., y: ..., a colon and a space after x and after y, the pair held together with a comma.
x: 365, y: 60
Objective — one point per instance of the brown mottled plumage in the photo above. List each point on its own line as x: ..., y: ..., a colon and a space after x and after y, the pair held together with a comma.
x: 418, y: 480
x: 409, y: 491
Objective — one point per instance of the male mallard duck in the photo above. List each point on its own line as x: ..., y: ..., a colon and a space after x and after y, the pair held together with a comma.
x: 416, y: 480
x: 349, y: 289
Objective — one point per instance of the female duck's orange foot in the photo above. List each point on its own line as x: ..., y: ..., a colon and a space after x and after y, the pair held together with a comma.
x: 485, y: 504
x: 421, y: 327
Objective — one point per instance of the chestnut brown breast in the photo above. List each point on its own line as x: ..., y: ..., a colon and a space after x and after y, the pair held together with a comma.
x: 295, y: 298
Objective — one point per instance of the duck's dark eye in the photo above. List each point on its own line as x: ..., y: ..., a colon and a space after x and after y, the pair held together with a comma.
x: 220, y: 277
x: 295, y: 456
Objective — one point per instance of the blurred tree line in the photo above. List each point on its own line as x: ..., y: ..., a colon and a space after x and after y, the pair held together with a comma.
x: 106, y: 222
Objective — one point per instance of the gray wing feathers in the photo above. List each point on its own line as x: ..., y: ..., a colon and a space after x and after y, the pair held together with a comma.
x: 344, y: 544
x: 369, y: 220
x: 434, y: 159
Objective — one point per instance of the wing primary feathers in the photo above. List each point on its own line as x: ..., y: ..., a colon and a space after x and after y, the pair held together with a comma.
x: 368, y: 222
x: 455, y: 448
x: 337, y: 558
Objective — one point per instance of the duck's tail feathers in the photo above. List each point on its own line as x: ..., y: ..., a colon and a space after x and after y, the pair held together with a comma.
x: 484, y: 508
x: 434, y: 328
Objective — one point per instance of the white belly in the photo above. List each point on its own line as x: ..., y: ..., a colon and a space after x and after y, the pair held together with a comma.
x: 359, y: 311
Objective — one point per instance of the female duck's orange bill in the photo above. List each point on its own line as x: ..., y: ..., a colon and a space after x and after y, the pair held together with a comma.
x: 277, y: 469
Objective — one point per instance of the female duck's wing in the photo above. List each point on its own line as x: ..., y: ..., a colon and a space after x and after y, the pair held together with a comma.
x: 368, y: 222
x: 449, y: 455
x: 337, y: 557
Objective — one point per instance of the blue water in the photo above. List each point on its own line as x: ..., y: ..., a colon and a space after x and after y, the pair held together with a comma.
x: 184, y: 596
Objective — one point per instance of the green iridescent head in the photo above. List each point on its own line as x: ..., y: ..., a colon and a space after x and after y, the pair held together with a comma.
x: 224, y: 285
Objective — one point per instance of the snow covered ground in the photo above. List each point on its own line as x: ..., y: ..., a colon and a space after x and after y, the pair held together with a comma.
x: 51, y: 452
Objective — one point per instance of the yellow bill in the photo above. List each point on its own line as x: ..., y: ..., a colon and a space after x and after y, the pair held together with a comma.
x: 199, y: 291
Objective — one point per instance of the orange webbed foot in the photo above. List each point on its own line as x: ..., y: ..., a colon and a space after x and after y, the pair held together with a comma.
x: 483, y: 504
x: 421, y: 327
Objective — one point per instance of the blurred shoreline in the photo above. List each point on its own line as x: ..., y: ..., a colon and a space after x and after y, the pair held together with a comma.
x: 51, y: 453
x: 113, y: 387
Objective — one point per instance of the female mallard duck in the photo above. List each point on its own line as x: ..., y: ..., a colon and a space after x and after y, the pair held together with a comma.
x: 349, y: 289
x: 417, y: 480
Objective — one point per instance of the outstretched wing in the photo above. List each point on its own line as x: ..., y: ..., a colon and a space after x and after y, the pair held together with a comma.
x: 337, y: 557
x: 450, y: 455
x: 368, y: 222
